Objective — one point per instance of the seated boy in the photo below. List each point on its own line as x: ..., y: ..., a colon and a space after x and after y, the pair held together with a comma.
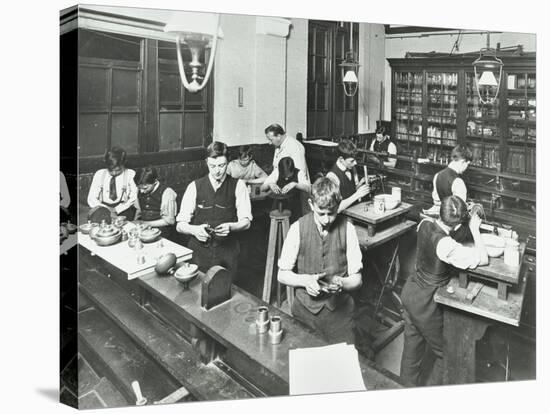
x: 114, y: 186
x: 344, y: 174
x: 156, y: 203
x: 245, y: 168
x: 321, y: 258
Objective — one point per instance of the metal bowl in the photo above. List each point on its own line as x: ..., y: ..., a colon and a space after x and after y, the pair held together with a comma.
x: 186, y: 273
x: 85, y: 228
x: 149, y: 235
x: 105, y: 237
x: 494, y: 244
x: 390, y: 201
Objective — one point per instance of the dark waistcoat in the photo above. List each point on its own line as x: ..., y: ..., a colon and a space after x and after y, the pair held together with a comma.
x: 317, y: 254
x: 382, y: 147
x: 430, y: 270
x: 444, y: 182
x: 347, y: 186
x: 215, y: 207
x: 150, y: 203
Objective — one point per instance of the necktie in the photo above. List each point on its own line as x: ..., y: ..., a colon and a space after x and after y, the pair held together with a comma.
x: 112, y: 188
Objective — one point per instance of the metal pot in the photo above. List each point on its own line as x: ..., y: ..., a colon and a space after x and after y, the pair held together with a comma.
x: 165, y: 263
x: 149, y: 235
x: 107, y: 235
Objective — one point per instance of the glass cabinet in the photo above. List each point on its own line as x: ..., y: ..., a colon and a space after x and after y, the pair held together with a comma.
x: 435, y: 106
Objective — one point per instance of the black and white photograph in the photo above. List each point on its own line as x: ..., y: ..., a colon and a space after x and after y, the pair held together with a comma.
x: 257, y: 204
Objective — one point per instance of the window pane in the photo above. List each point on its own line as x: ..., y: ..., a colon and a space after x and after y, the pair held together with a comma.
x: 170, y: 132
x: 321, y: 43
x: 169, y: 91
x: 92, y: 91
x: 195, y: 100
x: 124, y: 131
x: 108, y: 46
x: 92, y: 134
x: 125, y: 88
x: 194, y: 130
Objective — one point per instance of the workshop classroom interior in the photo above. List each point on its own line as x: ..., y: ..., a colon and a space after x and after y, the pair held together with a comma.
x: 120, y: 86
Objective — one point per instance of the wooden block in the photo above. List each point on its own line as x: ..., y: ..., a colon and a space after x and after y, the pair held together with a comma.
x: 463, y: 280
x: 502, y: 291
x: 472, y: 293
x: 216, y: 287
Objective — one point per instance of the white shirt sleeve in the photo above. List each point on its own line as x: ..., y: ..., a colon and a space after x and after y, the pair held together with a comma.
x: 273, y: 177
x: 353, y: 250
x: 188, y: 204
x: 291, y: 247
x: 458, y: 188
x: 302, y: 179
x: 333, y: 177
x: 95, y: 190
x: 242, y: 201
x: 65, y: 198
x: 450, y: 251
x: 372, y: 144
x: 168, y: 205
x: 132, y: 191
x: 435, y: 196
x: 392, y: 149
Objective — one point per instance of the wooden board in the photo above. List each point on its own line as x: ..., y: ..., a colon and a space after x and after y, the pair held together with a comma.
x: 125, y: 258
x: 486, y: 303
x: 369, y: 242
x: 498, y: 270
x: 357, y: 212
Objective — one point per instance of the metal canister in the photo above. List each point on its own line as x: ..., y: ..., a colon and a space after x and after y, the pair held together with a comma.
x: 379, y: 204
x: 396, y: 193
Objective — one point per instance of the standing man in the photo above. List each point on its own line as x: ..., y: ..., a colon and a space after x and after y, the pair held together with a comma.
x: 344, y: 174
x: 114, y: 186
x: 212, y: 209
x: 285, y: 146
x: 437, y: 252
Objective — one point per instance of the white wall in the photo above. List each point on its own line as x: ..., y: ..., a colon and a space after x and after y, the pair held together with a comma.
x: 272, y: 70
x: 397, y: 48
x: 371, y: 75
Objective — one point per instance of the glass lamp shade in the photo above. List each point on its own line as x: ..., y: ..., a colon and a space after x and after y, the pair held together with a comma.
x: 488, y: 79
x: 351, y: 77
x: 197, y: 31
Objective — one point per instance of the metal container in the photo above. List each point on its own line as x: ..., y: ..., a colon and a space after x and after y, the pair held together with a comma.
x: 107, y: 235
x: 379, y: 204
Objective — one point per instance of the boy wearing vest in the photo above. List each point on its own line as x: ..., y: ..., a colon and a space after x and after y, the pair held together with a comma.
x: 212, y: 209
x: 344, y: 174
x: 114, y: 186
x: 156, y: 203
x: 383, y: 144
x: 449, y: 182
x: 437, y: 252
x: 321, y: 258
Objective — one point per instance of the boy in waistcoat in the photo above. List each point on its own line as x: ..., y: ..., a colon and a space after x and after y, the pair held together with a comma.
x: 437, y: 252
x: 156, y: 203
x: 114, y: 186
x: 344, y: 174
x: 382, y: 143
x: 212, y: 209
x: 321, y: 258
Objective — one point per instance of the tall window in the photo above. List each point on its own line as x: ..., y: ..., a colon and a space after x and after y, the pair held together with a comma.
x: 134, y: 99
x: 330, y: 111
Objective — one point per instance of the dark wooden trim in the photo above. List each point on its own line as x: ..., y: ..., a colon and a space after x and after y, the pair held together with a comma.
x: 412, y: 29
x: 91, y: 164
x: 150, y: 97
x: 130, y: 19
x: 456, y: 62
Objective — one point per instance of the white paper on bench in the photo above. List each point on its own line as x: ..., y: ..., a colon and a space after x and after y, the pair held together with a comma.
x: 333, y: 368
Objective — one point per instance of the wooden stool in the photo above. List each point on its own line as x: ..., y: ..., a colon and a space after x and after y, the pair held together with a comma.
x: 277, y: 233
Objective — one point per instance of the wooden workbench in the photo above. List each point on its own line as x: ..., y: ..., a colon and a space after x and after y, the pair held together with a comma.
x: 363, y: 213
x: 229, y: 328
x: 466, y: 320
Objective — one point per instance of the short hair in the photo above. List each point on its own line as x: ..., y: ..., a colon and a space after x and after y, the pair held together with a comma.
x: 453, y: 211
x: 245, y: 151
x: 325, y: 193
x: 149, y: 175
x: 286, y: 168
x: 381, y: 130
x: 462, y: 152
x: 276, y: 129
x: 115, y: 157
x: 216, y: 149
x: 347, y: 149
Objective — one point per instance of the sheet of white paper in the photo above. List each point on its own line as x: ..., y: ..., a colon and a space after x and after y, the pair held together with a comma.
x: 333, y: 368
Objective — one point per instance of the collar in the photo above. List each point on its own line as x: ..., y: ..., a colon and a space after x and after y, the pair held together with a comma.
x: 214, y: 182
x: 453, y: 166
x: 442, y: 226
x: 341, y: 167
x: 319, y: 227
x: 283, y: 143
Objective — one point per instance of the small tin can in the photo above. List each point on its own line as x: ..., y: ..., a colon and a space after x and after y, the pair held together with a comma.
x: 396, y: 193
x: 379, y: 205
